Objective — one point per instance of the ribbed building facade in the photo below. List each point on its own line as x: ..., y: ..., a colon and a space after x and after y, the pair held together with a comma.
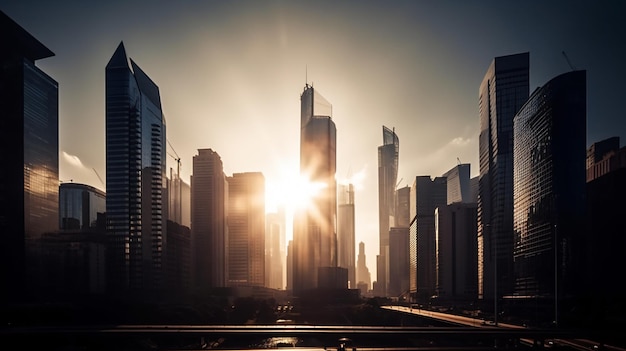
x: 502, y: 93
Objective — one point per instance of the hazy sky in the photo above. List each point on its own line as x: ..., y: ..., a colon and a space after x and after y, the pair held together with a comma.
x: 230, y: 75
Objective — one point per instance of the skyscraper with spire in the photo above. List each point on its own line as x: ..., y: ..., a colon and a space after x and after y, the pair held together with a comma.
x: 135, y: 175
x: 315, y: 238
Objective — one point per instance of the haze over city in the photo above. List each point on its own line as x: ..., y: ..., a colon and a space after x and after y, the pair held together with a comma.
x: 231, y: 73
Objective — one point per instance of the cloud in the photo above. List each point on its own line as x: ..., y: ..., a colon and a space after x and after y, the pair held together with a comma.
x: 73, y: 160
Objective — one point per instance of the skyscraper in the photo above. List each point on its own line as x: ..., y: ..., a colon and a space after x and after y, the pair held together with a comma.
x: 29, y: 144
x: 246, y: 229
x: 135, y: 173
x: 502, y: 93
x: 362, y: 273
x: 275, y: 249
x: 427, y: 194
x: 549, y: 192
x: 345, y: 232
x: 315, y: 239
x: 81, y: 207
x: 209, y: 203
x: 387, y: 178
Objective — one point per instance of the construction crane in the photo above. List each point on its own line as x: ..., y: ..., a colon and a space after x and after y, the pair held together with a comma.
x: 101, y: 182
x: 176, y: 158
x: 568, y: 61
x: 398, y: 183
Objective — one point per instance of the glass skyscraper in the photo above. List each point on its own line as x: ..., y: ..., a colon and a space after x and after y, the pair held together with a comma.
x: 549, y: 193
x: 346, y: 245
x: 502, y: 93
x: 81, y: 207
x: 387, y: 177
x: 315, y: 238
x: 135, y: 176
x: 29, y: 145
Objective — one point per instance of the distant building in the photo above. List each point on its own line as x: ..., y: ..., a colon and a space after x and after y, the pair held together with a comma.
x: 403, y: 208
x: 245, y: 242
x: 604, y: 157
x: 81, y: 207
x: 315, y: 237
x: 427, y: 194
x: 209, y: 203
x: 363, y: 278
x: 29, y: 143
x: 275, y: 249
x: 549, y: 192
x: 136, y: 179
x: 457, y: 272
x: 345, y: 233
x: 179, y: 200
x: 399, y: 262
x: 388, y: 154
x: 502, y: 93
x: 459, y: 185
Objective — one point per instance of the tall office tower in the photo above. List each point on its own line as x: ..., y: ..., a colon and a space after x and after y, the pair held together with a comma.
x: 549, y: 193
x: 604, y: 270
x: 457, y: 272
x: 178, y: 200
x: 209, y: 201
x: 459, y: 187
x: 362, y: 273
x: 275, y: 269
x: 387, y: 178
x: 399, y: 262
x: 246, y: 229
x: 289, y: 266
x: 502, y: 93
x: 29, y: 143
x: 345, y: 232
x: 81, y: 207
x: 403, y: 212
x: 426, y: 195
x: 315, y: 239
x: 135, y: 173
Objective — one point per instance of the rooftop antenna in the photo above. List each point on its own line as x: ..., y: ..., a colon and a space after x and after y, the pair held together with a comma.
x: 458, y: 161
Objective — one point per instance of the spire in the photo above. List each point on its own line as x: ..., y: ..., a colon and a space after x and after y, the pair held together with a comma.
x: 119, y: 58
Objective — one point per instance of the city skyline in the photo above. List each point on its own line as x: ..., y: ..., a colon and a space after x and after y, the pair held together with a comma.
x: 244, y: 65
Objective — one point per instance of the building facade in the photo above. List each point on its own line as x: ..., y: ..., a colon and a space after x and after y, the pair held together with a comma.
x: 388, y: 154
x: 502, y: 93
x: 315, y: 233
x: 246, y: 229
x: 209, y: 203
x: 81, y: 207
x: 135, y: 173
x: 364, y: 280
x: 346, y: 245
x: 549, y: 191
x: 29, y: 143
x: 275, y: 250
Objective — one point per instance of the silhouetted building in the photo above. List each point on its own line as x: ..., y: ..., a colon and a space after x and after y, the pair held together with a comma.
x: 345, y: 233
x: 209, y: 203
x: 388, y: 154
x: 605, y: 240
x: 29, y: 144
x: 426, y: 195
x: 289, y: 266
x: 81, y: 207
x: 603, y: 157
x: 178, y: 258
x: 457, y: 272
x: 246, y: 229
x: 502, y: 93
x: 135, y: 173
x: 549, y: 192
x: 275, y: 266
x: 399, y: 262
x: 315, y: 238
x: 362, y: 273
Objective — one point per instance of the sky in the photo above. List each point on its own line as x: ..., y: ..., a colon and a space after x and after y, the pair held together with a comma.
x: 230, y: 75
